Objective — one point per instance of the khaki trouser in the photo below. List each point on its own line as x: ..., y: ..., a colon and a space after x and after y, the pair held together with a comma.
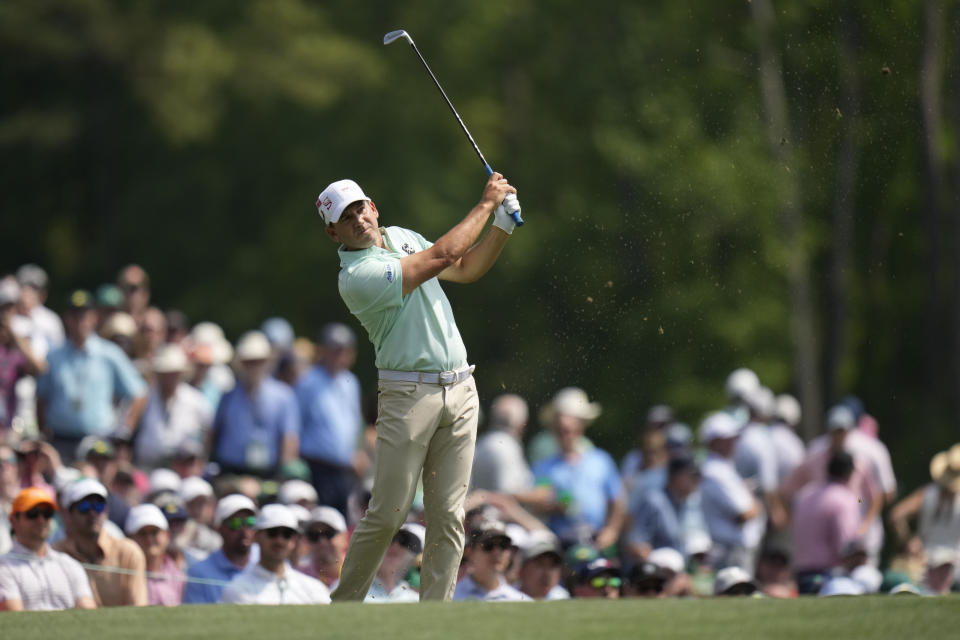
x: 420, y: 427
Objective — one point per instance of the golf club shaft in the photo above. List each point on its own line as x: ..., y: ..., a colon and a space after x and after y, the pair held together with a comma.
x: 516, y: 214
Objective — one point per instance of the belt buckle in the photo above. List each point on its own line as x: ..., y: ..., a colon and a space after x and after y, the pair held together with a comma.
x: 448, y: 377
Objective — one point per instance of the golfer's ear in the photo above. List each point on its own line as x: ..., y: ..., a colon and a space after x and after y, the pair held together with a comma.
x: 332, y: 233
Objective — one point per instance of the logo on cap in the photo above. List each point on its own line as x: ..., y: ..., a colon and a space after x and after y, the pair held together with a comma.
x: 326, y: 204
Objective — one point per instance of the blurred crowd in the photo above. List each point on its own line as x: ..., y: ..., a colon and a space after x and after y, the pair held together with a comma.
x: 145, y: 460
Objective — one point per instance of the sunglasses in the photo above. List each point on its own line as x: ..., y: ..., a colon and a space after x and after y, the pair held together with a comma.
x: 39, y: 512
x: 490, y: 545
x: 86, y: 506
x: 238, y: 522
x: 283, y: 532
x: 314, y: 535
x: 602, y: 581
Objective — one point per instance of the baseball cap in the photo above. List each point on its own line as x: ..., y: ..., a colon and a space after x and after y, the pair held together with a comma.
x: 788, y: 409
x: 293, y: 491
x: 9, y: 291
x: 80, y: 489
x: 596, y: 568
x: 840, y: 418
x: 33, y: 276
x: 279, y: 332
x: 489, y: 530
x: 540, y: 543
x: 413, y: 536
x: 119, y: 324
x: 253, y: 345
x: 276, y: 515
x: 193, y: 488
x: 698, y: 541
x: 719, y: 425
x: 31, y: 497
x: 302, y: 514
x: 145, y: 515
x: 109, y: 296
x: 231, y: 504
x: 171, y: 506
x: 95, y: 446
x: 659, y: 413
x: 79, y: 300
x: 170, y: 358
x: 941, y: 555
x: 337, y: 334
x: 330, y: 517
x: 210, y: 334
x: 336, y: 197
x: 162, y: 480
x: 730, y: 577
x: 841, y: 586
x: 741, y: 382
x: 667, y: 558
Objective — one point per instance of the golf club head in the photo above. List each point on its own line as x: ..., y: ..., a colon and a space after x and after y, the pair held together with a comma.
x: 395, y: 35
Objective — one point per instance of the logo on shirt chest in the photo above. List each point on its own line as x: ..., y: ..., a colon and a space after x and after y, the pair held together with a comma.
x: 408, y: 249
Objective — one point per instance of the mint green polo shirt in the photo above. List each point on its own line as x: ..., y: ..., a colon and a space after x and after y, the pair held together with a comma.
x: 412, y: 333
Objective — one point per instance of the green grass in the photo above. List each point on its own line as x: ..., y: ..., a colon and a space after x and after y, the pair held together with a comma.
x: 874, y: 617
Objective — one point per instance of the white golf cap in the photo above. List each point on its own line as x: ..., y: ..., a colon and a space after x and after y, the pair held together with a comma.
x: 164, y: 480
x: 211, y: 335
x: 941, y: 555
x: 273, y: 516
x: 330, y: 517
x: 841, y: 586
x: 77, y: 491
x: 293, y: 491
x: 538, y: 543
x: 518, y: 534
x: 302, y: 514
x: 336, y: 197
x: 144, y: 515
x: 741, y: 382
x: 698, y: 541
x: 667, y: 558
x: 761, y: 401
x: 231, y: 504
x: 840, y: 418
x: 170, y: 358
x: 719, y: 425
x: 193, y: 488
x: 253, y: 345
x: 731, y: 577
x: 788, y: 409
x: 417, y: 532
x: 869, y: 577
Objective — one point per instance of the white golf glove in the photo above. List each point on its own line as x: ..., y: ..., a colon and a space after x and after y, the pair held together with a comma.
x: 502, y: 214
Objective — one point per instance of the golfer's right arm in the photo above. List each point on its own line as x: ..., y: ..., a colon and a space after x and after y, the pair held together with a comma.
x: 428, y: 264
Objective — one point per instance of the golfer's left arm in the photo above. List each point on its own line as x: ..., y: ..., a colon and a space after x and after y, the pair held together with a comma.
x: 478, y: 259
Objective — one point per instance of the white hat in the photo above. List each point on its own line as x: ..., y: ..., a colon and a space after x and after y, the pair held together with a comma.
x: 719, y: 425
x: 193, y: 488
x: 330, y: 517
x: 941, y: 555
x: 144, y: 515
x: 667, y: 558
x: 276, y: 515
x: 841, y: 586
x: 840, y: 418
x: 164, y: 480
x: 518, y: 534
x: 253, y: 345
x: 170, y: 358
x: 730, y: 577
x: 119, y: 324
x: 336, y: 197
x: 698, y: 541
x: 80, y: 489
x: 761, y: 401
x: 570, y: 401
x: 9, y: 290
x: 293, y: 491
x: 31, y: 275
x: 210, y: 334
x: 419, y: 532
x: 869, y: 577
x: 788, y: 409
x: 231, y: 504
x: 302, y: 514
x: 540, y: 542
x: 741, y: 382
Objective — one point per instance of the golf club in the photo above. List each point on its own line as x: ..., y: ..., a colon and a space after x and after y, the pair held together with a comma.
x: 400, y: 33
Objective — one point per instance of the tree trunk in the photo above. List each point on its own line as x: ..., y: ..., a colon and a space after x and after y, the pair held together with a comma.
x: 955, y: 196
x: 802, y: 312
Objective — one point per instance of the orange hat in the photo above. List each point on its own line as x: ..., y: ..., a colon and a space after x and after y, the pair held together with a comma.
x: 31, y: 497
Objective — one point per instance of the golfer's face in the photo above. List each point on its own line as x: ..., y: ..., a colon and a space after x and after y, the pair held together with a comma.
x: 358, y: 226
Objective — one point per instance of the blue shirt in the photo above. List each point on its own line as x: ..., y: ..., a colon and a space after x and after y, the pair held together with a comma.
x: 249, y: 431
x: 590, y: 483
x: 660, y: 522
x: 330, y: 410
x: 215, y: 567
x: 80, y: 386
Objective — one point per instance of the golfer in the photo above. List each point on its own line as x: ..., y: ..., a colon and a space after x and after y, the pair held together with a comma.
x: 428, y: 406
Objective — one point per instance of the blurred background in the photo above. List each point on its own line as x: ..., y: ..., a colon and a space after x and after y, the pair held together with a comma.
x: 707, y: 185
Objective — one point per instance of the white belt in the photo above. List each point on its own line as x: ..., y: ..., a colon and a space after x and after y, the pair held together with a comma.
x: 442, y: 378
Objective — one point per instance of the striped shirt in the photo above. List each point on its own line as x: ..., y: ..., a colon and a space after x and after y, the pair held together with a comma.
x: 42, y: 583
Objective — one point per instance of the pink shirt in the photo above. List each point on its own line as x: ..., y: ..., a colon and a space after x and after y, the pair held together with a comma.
x: 168, y: 590
x: 826, y: 515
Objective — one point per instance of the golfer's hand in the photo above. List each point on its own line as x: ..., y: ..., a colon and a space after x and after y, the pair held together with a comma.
x: 496, y: 190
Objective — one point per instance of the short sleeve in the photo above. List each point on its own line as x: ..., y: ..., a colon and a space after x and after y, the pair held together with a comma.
x: 372, y: 284
x: 290, y: 420
x: 9, y: 589
x: 77, y: 578
x: 130, y: 383
x: 613, y: 486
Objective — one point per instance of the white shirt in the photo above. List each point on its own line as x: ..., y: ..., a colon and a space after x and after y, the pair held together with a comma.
x: 53, y: 581
x: 724, y: 497
x: 939, y: 522
x: 167, y: 425
x: 789, y: 449
x: 48, y: 324
x: 256, y: 585
x: 403, y: 592
x: 756, y: 458
x: 499, y: 465
x: 467, y: 589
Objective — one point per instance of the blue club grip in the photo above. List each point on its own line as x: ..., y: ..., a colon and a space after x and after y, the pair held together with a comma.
x: 516, y: 214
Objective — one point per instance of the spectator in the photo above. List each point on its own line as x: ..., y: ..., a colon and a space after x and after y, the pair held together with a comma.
x: 120, y: 329
x: 257, y: 424
x: 666, y: 518
x: 755, y: 457
x: 101, y: 456
x: 199, y: 540
x: 135, y: 285
x: 329, y: 399
x: 570, y: 403
x: 645, y: 580
x: 734, y: 581
x: 740, y: 384
x: 33, y: 283
x: 34, y: 577
x: 786, y: 443
x: 774, y: 574
x: 16, y: 359
x: 826, y: 517
x: 188, y: 460
x: 488, y: 555
x: 235, y: 518
x: 326, y: 534
x: 941, y: 569
x: 542, y: 567
x: 39, y: 464
x: 936, y: 505
x: 670, y: 564
x: 210, y: 353
x: 148, y: 527
x: 599, y: 578
x: 272, y: 580
x: 658, y: 417
x: 498, y: 462
x: 85, y: 374
x: 588, y: 497
x: 178, y: 327
x: 175, y: 411
x: 109, y: 302
x: 389, y: 584
x: 9, y: 488
x: 729, y: 507
x: 84, y: 512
